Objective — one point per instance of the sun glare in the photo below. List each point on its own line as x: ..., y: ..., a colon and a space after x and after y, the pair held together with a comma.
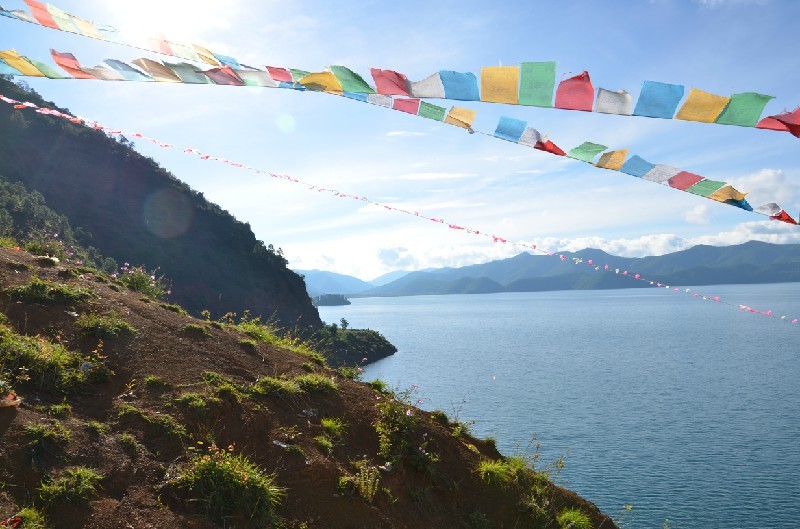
x: 177, y: 19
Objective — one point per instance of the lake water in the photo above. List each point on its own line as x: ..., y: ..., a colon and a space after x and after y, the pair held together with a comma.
x: 684, y: 409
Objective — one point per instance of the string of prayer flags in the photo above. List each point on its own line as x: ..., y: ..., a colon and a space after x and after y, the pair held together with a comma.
x: 537, y: 83
x: 772, y: 209
x: 499, y: 84
x: 575, y: 93
x: 702, y: 106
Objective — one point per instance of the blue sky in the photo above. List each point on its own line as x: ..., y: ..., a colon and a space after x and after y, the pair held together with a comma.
x: 720, y: 46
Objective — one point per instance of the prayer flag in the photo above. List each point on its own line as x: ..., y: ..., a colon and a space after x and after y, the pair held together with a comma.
x: 705, y: 187
x: 726, y: 193
x: 610, y: 102
x: 20, y: 63
x: 510, y: 129
x: 127, y: 71
x: 427, y: 110
x: 41, y: 14
x: 188, y: 73
x: 185, y: 51
x: 257, y: 78
x: 460, y: 117
x: 430, y: 87
x: 661, y: 173
x: 158, y: 43
x: 537, y: 82
x: 586, y: 151
x: 461, y: 86
x: 350, y: 81
x: 531, y: 137
x: 6, y: 69
x: 407, y: 105
x: 770, y: 209
x: 224, y: 76
x: 228, y: 61
x: 86, y: 28
x: 575, y: 93
x: 206, y: 55
x: 104, y: 73
x: 744, y: 109
x: 500, y: 84
x: 297, y: 75
x: 322, y: 82
x: 380, y: 100
x: 62, y: 19
x: 282, y: 75
x: 157, y: 71
x: 70, y: 64
x: 702, y: 106
x: 390, y: 82
x: 788, y: 121
x: 684, y: 180
x: 613, y: 160
x: 636, y: 166
x: 658, y: 100
x: 356, y: 95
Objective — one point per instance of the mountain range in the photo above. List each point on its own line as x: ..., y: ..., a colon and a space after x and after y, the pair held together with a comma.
x: 751, y: 262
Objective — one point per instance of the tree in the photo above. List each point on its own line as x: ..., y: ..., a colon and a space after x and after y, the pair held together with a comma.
x: 344, y: 323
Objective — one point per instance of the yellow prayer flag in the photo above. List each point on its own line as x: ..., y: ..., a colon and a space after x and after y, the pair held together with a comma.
x: 157, y: 71
x: 321, y: 81
x: 206, y: 55
x: 86, y: 28
x: 460, y: 117
x: 18, y: 62
x: 727, y: 193
x: 702, y: 106
x: 500, y: 84
x: 613, y: 159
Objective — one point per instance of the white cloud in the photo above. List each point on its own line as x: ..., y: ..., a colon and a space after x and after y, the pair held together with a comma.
x: 769, y: 185
x: 697, y: 215
x: 435, y: 176
x: 404, y: 133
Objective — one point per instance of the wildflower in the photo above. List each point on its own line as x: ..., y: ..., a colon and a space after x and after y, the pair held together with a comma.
x: 360, y: 369
x: 415, y: 387
x: 364, y: 359
x: 409, y: 412
x: 420, y: 401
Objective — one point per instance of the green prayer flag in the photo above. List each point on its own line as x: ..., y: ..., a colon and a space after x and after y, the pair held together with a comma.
x: 427, y: 110
x: 744, y: 109
x: 298, y: 74
x: 705, y: 188
x: 586, y: 151
x: 537, y: 82
x: 48, y: 70
x: 351, y: 81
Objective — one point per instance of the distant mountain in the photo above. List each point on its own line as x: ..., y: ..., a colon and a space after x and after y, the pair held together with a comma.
x: 751, y: 262
x: 319, y: 282
x: 388, y: 278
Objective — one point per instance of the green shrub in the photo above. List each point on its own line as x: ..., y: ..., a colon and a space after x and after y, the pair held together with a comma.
x: 128, y: 442
x: 110, y: 325
x: 224, y: 386
x: 97, y: 428
x: 573, y: 519
x: 194, y: 329
x: 316, y: 383
x: 48, y: 293
x: 47, y: 436
x: 275, y: 386
x: 333, y: 426
x: 227, y: 485
x: 174, y: 308
x: 325, y: 444
x: 194, y: 402
x: 380, y: 386
x: 76, y: 486
x: 165, y: 422
x: 367, y: 481
x: 248, y: 344
x: 138, y: 279
x: 32, y: 519
x: 500, y: 471
x: 154, y: 383
x: 59, y: 410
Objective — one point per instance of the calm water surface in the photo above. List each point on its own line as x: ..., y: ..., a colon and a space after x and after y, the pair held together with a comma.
x: 685, y: 409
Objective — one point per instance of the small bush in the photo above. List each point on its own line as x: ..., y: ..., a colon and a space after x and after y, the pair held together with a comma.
x: 194, y: 403
x: 316, y: 383
x: 193, y: 329
x: 138, y: 279
x: 573, y: 519
x: 367, y: 481
x: 333, y: 426
x: 97, y: 428
x: 168, y: 425
x: 325, y: 444
x: 76, y: 486
x: 48, y: 293
x: 174, y: 308
x: 154, y: 383
x: 128, y: 443
x: 275, y: 386
x: 32, y: 519
x: 248, y: 344
x: 60, y: 410
x: 380, y: 386
x: 47, y: 436
x: 227, y: 485
x: 110, y: 325
x: 503, y: 471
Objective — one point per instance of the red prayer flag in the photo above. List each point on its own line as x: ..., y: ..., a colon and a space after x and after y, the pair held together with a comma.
x: 784, y: 217
x: 389, y: 82
x: 788, y: 121
x: 282, y: 75
x: 407, y: 105
x: 70, y: 64
x: 224, y: 76
x: 42, y: 15
x: 550, y: 147
x: 684, y: 180
x: 576, y: 93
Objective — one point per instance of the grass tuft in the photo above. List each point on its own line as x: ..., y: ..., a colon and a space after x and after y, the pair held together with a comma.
x: 48, y: 293
x: 316, y: 383
x: 77, y: 485
x: 107, y: 326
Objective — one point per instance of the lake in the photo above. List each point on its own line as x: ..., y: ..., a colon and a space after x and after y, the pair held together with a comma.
x: 683, y: 408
